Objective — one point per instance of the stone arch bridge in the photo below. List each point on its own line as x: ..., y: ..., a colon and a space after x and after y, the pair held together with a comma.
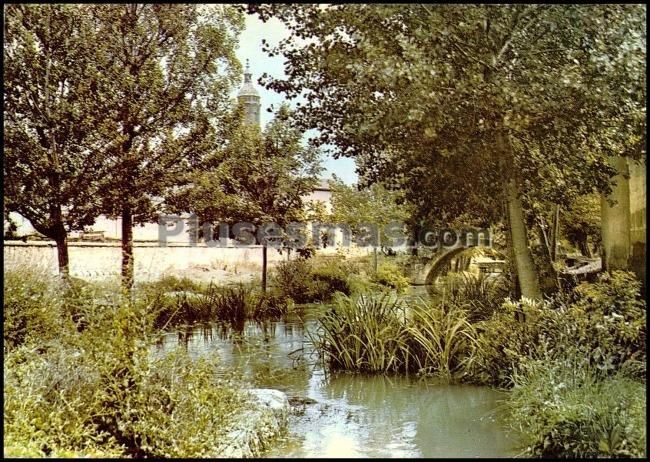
x: 425, y: 269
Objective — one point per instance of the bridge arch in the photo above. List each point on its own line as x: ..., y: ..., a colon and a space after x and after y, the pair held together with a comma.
x: 428, y: 270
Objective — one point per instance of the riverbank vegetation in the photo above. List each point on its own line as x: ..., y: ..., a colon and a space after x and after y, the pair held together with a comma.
x: 553, y: 355
x: 86, y: 384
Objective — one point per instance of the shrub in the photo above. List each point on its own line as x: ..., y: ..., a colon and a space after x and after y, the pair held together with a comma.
x: 329, y: 279
x: 304, y: 282
x: 390, y: 275
x: 603, y: 322
x: 33, y: 307
x: 293, y: 280
x: 504, y: 341
x: 565, y: 411
x: 610, y: 322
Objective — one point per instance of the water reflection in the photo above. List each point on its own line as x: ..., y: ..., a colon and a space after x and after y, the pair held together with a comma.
x: 353, y: 415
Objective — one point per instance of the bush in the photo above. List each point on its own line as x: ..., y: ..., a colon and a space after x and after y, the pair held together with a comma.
x: 100, y: 392
x: 564, y: 411
x: 304, y: 282
x: 610, y: 322
x: 33, y: 307
x: 293, y: 280
x: 504, y: 340
x: 603, y: 322
x: 329, y: 279
x: 389, y: 275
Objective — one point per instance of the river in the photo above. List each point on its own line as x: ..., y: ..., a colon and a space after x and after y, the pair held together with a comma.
x: 352, y: 415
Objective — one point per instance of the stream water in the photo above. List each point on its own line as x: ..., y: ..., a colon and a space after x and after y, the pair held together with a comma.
x: 352, y: 415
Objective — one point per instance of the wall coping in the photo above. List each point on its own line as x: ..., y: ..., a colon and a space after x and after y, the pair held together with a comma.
x: 18, y: 243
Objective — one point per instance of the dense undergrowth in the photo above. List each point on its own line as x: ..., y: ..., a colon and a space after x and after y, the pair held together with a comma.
x: 80, y: 380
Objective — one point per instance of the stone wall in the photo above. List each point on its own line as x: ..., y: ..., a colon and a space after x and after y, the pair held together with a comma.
x: 102, y: 260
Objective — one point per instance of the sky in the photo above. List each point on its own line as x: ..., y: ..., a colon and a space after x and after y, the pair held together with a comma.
x: 250, y: 47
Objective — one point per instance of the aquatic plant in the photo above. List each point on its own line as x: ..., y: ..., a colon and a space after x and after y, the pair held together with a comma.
x: 441, y: 338
x: 364, y: 333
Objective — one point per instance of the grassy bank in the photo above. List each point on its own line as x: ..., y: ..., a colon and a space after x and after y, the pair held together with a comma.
x: 80, y: 381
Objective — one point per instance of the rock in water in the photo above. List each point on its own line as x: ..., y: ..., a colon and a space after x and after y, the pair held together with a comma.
x: 259, y: 426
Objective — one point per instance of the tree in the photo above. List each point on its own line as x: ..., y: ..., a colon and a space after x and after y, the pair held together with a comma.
x: 169, y: 69
x: 255, y: 178
x: 375, y: 205
x: 473, y: 109
x: 52, y: 149
x: 581, y: 223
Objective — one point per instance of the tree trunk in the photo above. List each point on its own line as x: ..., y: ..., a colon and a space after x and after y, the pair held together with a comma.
x: 550, y: 279
x: 264, y: 263
x: 615, y: 220
x: 526, y: 271
x: 127, y: 249
x: 62, y: 255
x: 555, y: 237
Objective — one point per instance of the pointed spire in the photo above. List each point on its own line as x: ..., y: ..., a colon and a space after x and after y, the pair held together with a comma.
x: 247, y: 73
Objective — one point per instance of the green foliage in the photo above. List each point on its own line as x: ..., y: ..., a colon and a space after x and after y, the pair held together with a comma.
x: 608, y: 323
x: 51, y: 164
x: 380, y: 334
x: 474, y: 74
x: 479, y: 293
x: 375, y: 205
x: 604, y: 323
x: 293, y: 279
x: 99, y: 391
x: 256, y: 177
x: 306, y: 281
x: 441, y: 339
x: 504, y: 341
x: 173, y: 284
x: 580, y: 223
x: 564, y: 411
x: 32, y: 307
x: 390, y: 275
x: 364, y: 334
x: 210, y: 303
x: 329, y: 279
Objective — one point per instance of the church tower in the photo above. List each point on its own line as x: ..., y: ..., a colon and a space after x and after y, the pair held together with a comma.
x: 250, y: 99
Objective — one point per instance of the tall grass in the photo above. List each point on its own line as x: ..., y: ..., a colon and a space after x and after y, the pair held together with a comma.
x: 380, y: 334
x: 97, y: 391
x: 364, y: 333
x: 561, y: 410
x: 442, y: 338
x: 481, y: 294
x: 210, y: 303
